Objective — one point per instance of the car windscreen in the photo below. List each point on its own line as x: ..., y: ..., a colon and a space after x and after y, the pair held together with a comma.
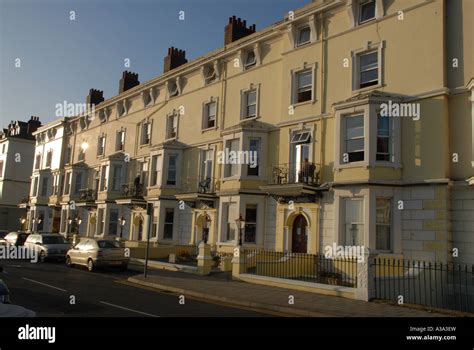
x: 108, y: 244
x: 53, y: 240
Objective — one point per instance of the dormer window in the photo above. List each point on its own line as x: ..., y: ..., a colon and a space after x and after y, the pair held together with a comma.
x: 148, y: 97
x: 303, y: 35
x: 103, y: 115
x: 174, y: 88
x: 83, y: 123
x: 250, y: 60
x: 209, y: 74
x: 366, y: 11
x: 122, y: 108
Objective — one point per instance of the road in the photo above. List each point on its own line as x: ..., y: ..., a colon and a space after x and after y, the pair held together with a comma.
x: 54, y: 290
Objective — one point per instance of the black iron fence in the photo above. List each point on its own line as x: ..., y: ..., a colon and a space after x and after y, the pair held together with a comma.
x: 438, y: 285
x: 314, y: 268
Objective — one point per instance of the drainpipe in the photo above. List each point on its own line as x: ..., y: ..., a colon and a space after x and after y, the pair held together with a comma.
x: 322, y: 96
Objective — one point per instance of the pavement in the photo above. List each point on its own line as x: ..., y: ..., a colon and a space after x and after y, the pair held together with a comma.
x: 219, y: 287
x: 54, y: 290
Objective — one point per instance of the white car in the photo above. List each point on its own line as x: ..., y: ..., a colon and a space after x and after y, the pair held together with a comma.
x: 48, y: 246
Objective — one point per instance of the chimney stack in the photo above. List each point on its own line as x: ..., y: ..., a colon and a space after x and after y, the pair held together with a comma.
x: 128, y: 81
x: 175, y: 58
x: 33, y: 124
x: 95, y: 97
x: 237, y: 29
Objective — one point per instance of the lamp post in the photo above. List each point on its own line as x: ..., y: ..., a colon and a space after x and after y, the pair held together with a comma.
x: 33, y: 228
x: 22, y: 222
x: 238, y: 222
x: 78, y: 222
x: 123, y: 221
x: 39, y: 220
x: 69, y: 222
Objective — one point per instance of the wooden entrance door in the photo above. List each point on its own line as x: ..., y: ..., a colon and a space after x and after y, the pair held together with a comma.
x: 299, y: 236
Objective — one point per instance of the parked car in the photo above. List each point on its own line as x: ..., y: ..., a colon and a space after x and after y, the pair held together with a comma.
x: 2, y: 237
x: 16, y: 238
x: 95, y: 253
x: 48, y: 246
x: 7, y: 309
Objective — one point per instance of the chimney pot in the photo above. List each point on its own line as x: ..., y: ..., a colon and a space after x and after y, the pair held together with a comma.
x: 237, y: 29
x: 176, y: 57
x: 128, y: 81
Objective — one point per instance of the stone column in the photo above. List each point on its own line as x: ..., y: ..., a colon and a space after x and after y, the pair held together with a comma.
x: 365, y: 276
x: 204, y: 259
x: 238, y: 266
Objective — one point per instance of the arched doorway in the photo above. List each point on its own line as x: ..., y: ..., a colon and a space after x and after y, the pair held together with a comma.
x: 138, y: 227
x: 202, y: 232
x: 299, y: 237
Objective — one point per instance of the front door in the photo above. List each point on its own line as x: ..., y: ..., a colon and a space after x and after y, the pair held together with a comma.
x: 56, y: 224
x: 299, y: 236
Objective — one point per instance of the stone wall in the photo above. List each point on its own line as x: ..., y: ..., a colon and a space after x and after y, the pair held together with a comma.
x: 462, y: 214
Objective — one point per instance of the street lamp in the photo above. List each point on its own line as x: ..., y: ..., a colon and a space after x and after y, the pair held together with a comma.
x: 33, y: 221
x: 78, y: 222
x: 239, y: 222
x: 69, y: 222
x: 22, y: 222
x: 123, y: 221
x: 40, y: 220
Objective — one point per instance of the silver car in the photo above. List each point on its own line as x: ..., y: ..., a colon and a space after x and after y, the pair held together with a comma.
x: 95, y: 253
x: 48, y: 246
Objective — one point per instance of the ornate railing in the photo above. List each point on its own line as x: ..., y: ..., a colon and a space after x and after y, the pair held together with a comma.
x: 292, y: 173
x: 133, y: 190
x: 87, y: 194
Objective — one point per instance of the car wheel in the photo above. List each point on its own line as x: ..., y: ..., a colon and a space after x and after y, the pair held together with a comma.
x: 90, y: 265
x: 42, y: 256
x: 68, y: 261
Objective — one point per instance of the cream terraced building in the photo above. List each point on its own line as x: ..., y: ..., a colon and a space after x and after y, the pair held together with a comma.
x: 307, y: 95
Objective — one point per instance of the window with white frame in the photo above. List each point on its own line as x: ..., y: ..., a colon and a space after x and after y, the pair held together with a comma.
x: 34, y: 191
x: 366, y: 11
x: 154, y: 224
x: 304, y: 86
x: 353, y: 138
x: 210, y: 109
x: 81, y: 156
x: 120, y: 141
x: 353, y: 221
x: 122, y: 108
x: 100, y: 221
x: 383, y: 224
x: 384, y: 138
x: 44, y: 186
x: 250, y: 60
x: 101, y: 145
x: 168, y: 224
x: 250, y: 103
x: 49, y: 158
x: 67, y: 154
x: 206, y: 164
x: 113, y: 222
x: 145, y: 132
x: 156, y: 166
x: 231, y: 166
x: 303, y: 35
x: 254, y: 148
x: 230, y: 212
x: 67, y: 183
x: 77, y: 183
x: 104, y: 177
x: 116, y: 177
x: 1, y: 168
x: 367, y: 69
x: 172, y: 126
x: 250, y: 233
x: 172, y: 169
x: 38, y: 161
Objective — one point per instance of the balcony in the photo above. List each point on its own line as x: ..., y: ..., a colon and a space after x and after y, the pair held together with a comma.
x: 133, y: 194
x: 198, y: 191
x: 87, y: 198
x: 293, y: 180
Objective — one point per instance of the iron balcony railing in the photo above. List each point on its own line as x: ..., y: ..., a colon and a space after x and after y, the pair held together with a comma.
x: 292, y: 173
x: 88, y: 194
x: 199, y: 185
x: 133, y: 190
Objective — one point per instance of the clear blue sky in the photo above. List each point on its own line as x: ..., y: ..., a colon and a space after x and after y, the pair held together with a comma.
x: 62, y: 59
